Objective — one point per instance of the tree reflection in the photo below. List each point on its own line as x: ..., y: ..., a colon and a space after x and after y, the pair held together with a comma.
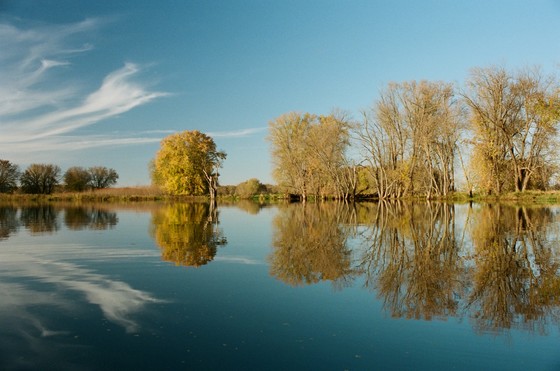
x: 310, y: 244
x: 187, y: 233
x: 40, y: 219
x: 90, y: 217
x: 516, y: 280
x: 9, y: 222
x: 412, y: 258
x: 249, y: 206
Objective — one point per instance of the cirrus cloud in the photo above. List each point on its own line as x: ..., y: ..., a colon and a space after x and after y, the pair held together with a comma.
x: 39, y: 113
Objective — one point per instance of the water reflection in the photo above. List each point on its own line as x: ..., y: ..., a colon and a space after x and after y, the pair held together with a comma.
x: 9, y: 222
x: 310, y: 244
x: 501, y: 269
x: 40, y: 219
x: 91, y: 217
x: 187, y: 233
x: 411, y: 257
x: 49, y: 292
x: 497, y: 266
x: 516, y: 281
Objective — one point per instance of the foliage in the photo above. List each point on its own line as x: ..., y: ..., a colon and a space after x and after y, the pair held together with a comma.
x: 309, y: 154
x: 249, y: 188
x: 514, y: 117
x: 187, y: 164
x: 410, y: 139
x: 102, y: 177
x: 40, y: 178
x: 9, y: 174
x: 77, y: 179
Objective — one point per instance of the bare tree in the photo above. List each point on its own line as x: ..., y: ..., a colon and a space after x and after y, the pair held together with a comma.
x: 514, y: 118
x: 40, y: 178
x: 9, y: 174
x: 308, y: 152
x: 409, y: 138
x: 102, y: 177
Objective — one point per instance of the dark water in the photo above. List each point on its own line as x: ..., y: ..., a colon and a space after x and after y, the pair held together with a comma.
x: 294, y: 287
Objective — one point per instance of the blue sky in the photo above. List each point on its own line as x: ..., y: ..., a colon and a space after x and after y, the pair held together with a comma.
x: 86, y: 83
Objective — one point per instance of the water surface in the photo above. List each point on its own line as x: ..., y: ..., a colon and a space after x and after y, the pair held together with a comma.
x: 317, y: 286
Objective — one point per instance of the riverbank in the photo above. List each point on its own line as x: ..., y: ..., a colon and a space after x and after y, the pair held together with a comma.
x: 149, y: 193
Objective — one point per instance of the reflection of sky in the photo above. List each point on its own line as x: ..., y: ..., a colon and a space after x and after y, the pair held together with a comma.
x: 41, y: 289
x: 116, y: 299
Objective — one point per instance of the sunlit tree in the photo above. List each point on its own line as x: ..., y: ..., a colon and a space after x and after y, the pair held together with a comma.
x: 309, y: 153
x: 249, y: 188
x: 187, y: 164
x: 514, y: 118
x: 409, y: 139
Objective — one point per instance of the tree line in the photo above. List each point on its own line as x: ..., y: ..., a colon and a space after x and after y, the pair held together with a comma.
x: 46, y: 178
x: 415, y: 137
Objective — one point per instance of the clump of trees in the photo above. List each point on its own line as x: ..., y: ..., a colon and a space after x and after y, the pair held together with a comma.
x: 187, y: 163
x: 45, y: 178
x: 514, y: 121
x: 309, y: 154
x: 40, y: 178
x: 410, y: 139
x: 416, y: 134
x: 249, y: 188
x: 97, y: 177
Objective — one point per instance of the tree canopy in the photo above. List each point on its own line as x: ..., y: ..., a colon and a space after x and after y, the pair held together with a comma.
x: 187, y: 163
x: 9, y: 174
x: 309, y: 153
x: 40, y: 178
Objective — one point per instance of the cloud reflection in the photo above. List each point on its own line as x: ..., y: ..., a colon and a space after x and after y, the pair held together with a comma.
x: 50, y: 282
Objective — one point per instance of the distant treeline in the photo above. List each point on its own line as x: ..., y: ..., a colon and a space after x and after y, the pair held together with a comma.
x: 47, y: 178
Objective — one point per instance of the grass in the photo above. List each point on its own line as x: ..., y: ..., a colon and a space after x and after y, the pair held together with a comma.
x: 152, y: 193
x: 124, y: 194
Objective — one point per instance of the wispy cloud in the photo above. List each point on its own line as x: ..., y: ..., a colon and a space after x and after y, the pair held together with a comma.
x: 40, y: 113
x: 237, y: 133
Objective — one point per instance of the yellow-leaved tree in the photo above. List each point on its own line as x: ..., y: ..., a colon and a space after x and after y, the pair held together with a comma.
x: 187, y: 163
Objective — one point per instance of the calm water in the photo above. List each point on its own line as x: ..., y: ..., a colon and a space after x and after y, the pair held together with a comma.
x: 245, y: 287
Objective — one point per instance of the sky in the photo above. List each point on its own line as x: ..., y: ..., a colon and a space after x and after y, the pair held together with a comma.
x: 100, y: 83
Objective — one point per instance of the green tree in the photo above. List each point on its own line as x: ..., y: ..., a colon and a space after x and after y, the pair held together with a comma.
x: 102, y: 177
x: 187, y: 164
x: 77, y: 179
x: 40, y: 178
x: 9, y: 174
